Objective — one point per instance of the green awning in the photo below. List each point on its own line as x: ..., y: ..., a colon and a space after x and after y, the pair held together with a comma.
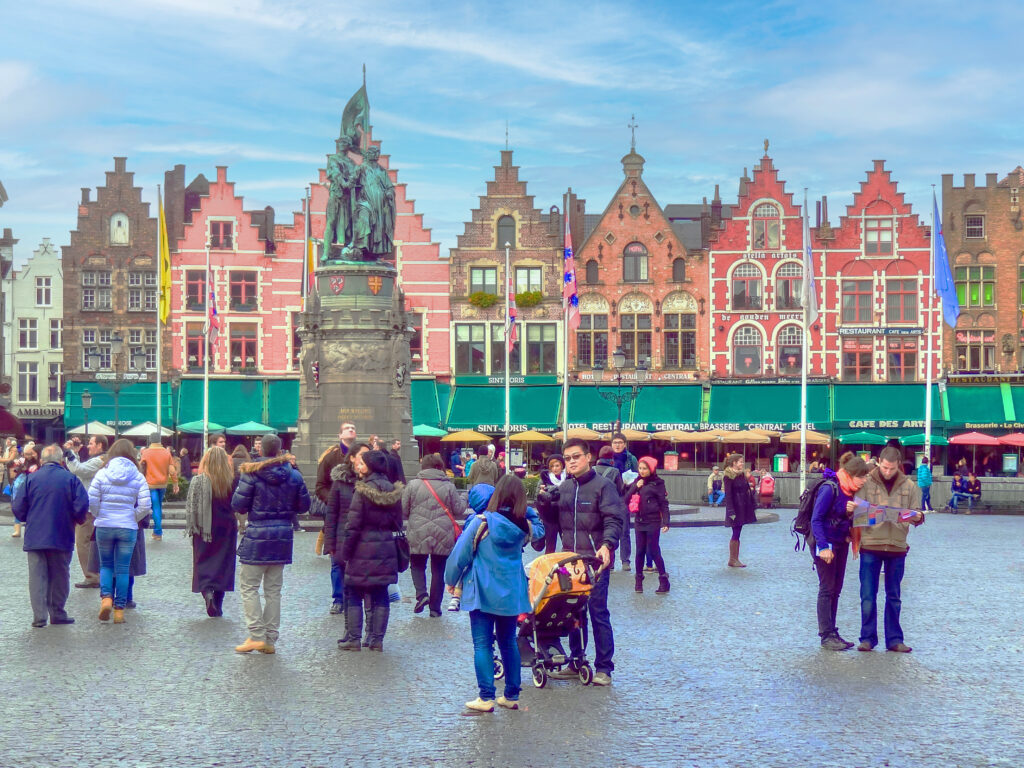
x: 483, y: 408
x: 976, y: 407
x: 767, y: 406
x: 889, y: 409
x: 425, y: 430
x: 660, y: 407
x: 919, y: 440
x: 282, y: 405
x: 135, y: 402
x: 196, y: 427
x: 426, y: 409
x: 588, y: 409
x: 1017, y: 402
x: 249, y: 428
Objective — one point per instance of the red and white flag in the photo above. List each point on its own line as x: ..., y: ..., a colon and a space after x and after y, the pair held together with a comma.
x: 569, y: 295
x: 212, y: 321
x: 511, y: 329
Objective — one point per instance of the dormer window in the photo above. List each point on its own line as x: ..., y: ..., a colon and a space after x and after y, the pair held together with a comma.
x: 119, y: 229
x: 765, y: 228
x: 506, y: 232
x: 878, y: 237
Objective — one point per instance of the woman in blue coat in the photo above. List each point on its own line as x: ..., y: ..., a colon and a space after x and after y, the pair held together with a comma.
x: 488, y: 559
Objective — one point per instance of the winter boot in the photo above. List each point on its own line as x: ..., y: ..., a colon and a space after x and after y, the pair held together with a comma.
x: 208, y: 598
x: 734, y: 555
x: 106, y: 606
x: 119, y: 615
x: 639, y: 587
x: 379, y: 626
x: 218, y: 603
x: 16, y: 533
x: 663, y: 584
x: 353, y: 626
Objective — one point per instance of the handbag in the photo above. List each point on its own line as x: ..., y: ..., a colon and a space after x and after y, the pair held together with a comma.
x: 455, y: 526
x: 402, y: 551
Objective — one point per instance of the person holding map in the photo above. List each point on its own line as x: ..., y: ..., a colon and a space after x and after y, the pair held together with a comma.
x: 885, y: 544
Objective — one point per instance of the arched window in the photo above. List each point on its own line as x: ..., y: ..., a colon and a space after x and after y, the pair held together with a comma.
x: 592, y: 276
x: 789, y: 280
x: 790, y: 349
x: 119, y: 229
x: 765, y: 228
x: 634, y: 263
x: 506, y: 232
x: 678, y: 270
x: 746, y: 287
x: 746, y: 351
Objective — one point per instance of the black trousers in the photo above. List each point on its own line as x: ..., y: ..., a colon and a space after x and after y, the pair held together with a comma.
x: 830, y: 585
x: 648, y: 545
x: 418, y: 571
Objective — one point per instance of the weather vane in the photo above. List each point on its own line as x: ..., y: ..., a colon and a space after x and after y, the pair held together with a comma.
x: 632, y: 127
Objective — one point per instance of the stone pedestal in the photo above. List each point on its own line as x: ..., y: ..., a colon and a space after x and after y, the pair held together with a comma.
x: 354, y: 361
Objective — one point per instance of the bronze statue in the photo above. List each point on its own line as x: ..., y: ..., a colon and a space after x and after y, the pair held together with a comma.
x: 341, y: 173
x: 373, y: 226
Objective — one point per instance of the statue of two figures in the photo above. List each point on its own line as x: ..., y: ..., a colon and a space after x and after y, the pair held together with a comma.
x: 361, y: 204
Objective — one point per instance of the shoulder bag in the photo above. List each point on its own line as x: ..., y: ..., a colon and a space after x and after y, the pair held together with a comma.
x: 455, y: 526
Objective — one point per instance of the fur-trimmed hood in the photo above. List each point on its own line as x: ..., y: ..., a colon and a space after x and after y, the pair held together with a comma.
x: 343, y: 472
x: 380, y: 497
x: 251, y: 467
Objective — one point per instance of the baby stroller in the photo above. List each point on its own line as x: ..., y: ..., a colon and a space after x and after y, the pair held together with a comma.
x: 560, y: 585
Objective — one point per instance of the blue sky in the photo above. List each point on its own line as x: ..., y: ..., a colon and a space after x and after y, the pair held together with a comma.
x: 260, y: 86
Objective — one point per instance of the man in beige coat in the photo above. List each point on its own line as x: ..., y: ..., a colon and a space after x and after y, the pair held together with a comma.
x: 85, y: 471
x: 885, y: 545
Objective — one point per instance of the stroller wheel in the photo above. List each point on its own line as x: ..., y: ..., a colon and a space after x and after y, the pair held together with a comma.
x: 499, y: 669
x: 540, y: 676
x: 586, y: 674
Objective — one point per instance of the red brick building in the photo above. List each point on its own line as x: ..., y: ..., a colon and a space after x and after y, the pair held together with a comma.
x: 985, y: 241
x: 640, y: 289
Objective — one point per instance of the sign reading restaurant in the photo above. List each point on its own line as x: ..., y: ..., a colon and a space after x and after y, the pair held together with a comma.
x: 867, y: 330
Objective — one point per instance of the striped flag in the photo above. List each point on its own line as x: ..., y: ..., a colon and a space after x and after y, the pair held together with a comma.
x: 569, y: 295
x: 511, y: 329
x: 809, y: 300
x: 212, y: 321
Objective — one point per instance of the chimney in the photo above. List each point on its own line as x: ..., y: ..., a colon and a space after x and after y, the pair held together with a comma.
x: 824, y: 209
x: 119, y: 164
x: 222, y: 174
x: 716, y: 209
x: 86, y: 191
x: 817, y: 214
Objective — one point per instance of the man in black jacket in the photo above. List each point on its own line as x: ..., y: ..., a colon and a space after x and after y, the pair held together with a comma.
x: 590, y: 514
x: 606, y: 467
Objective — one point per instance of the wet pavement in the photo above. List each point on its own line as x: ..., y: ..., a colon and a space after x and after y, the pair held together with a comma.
x: 724, y: 671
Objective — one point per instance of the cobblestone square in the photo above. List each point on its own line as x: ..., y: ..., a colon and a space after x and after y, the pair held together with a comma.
x: 725, y: 671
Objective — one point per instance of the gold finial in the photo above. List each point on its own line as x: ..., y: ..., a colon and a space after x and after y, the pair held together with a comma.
x: 766, y: 146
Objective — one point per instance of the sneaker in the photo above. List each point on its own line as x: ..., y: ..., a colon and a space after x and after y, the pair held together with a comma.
x: 625, y: 565
x: 455, y: 603
x: 130, y: 604
x: 649, y: 569
x: 501, y: 701
x: 865, y: 646
x: 421, y: 603
x: 156, y: 538
x: 900, y: 648
x: 845, y: 642
x: 480, y: 705
x: 835, y: 643
x: 87, y: 585
x: 336, y: 608
x: 349, y: 645
x: 601, y: 678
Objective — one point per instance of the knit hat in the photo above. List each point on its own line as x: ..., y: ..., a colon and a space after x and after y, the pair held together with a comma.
x: 606, y: 452
x: 651, y: 462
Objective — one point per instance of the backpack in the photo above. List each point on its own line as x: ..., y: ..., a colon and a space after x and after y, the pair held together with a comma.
x: 767, y: 485
x: 802, y: 521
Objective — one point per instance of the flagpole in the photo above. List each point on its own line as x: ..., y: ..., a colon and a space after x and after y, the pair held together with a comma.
x: 159, y: 305
x: 508, y: 348
x: 305, y: 256
x: 565, y: 341
x: 930, y: 319
x: 805, y: 353
x: 206, y: 356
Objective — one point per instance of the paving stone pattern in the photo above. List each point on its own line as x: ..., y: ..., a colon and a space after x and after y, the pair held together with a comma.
x: 725, y: 671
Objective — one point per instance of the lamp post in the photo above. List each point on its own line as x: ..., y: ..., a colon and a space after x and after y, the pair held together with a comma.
x: 618, y: 396
x: 86, y: 405
x: 56, y: 388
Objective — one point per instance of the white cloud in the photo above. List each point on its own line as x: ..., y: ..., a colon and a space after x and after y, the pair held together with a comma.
x: 223, y: 152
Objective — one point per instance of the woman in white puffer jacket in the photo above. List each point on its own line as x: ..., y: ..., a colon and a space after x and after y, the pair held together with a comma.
x: 118, y: 498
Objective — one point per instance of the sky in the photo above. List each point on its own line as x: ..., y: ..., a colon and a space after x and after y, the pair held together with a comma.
x: 259, y: 86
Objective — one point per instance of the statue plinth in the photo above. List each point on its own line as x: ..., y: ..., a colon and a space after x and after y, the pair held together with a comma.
x: 354, y: 360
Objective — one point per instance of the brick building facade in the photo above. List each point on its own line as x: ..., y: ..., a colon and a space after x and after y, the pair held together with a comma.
x: 506, y: 214
x: 984, y: 237
x: 640, y: 289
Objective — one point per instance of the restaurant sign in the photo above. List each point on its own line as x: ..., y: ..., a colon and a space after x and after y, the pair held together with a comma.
x: 852, y: 330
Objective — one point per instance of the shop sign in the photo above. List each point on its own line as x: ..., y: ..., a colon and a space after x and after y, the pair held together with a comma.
x: 884, y: 424
x: 773, y: 380
x: 489, y: 428
x: 38, y: 413
x: 122, y: 377
x: 976, y: 337
x: 986, y: 378
x: 761, y: 255
x: 500, y: 380
x: 848, y: 330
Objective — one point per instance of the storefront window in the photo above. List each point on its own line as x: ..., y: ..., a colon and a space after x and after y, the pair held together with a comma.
x: 976, y: 351
x: 790, y: 350
x: 747, y: 351
x: 857, y: 354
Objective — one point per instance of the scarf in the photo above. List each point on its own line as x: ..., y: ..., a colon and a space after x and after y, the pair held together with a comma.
x: 199, y: 508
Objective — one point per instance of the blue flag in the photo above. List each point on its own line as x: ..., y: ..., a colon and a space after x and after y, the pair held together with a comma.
x: 945, y: 288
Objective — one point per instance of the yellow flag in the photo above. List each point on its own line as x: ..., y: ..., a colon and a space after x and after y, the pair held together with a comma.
x: 165, y: 264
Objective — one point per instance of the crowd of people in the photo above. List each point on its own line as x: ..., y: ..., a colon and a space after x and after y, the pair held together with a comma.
x: 241, y: 513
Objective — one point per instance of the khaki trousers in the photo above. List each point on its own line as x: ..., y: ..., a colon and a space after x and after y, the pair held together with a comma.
x: 263, y: 621
x: 83, y: 537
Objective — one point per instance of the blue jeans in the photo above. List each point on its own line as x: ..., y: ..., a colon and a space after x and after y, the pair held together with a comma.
x: 926, y: 498
x: 870, y: 568
x: 484, y: 627
x: 604, y: 638
x: 337, y: 582
x: 954, y: 502
x: 716, y: 497
x: 156, y: 495
x: 116, y: 546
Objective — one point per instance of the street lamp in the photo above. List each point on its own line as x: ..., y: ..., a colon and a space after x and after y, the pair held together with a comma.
x: 618, y: 396
x: 86, y: 405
